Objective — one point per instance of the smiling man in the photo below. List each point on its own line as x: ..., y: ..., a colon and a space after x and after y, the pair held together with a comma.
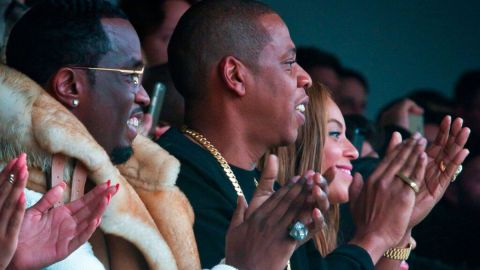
x: 235, y: 64
x: 86, y: 57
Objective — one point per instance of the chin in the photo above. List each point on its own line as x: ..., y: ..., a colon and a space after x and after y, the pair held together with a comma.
x: 121, y: 154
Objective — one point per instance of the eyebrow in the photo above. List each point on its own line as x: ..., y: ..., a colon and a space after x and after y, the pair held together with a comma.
x: 133, y: 62
x: 291, y: 52
x: 331, y: 120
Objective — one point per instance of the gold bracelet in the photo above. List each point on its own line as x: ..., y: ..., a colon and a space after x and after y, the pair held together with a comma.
x: 400, y: 254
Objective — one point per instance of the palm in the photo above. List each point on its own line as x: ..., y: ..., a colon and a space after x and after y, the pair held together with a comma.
x: 447, y: 147
x: 51, y: 233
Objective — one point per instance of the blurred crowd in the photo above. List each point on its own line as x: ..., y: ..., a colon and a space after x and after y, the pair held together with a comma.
x: 185, y: 134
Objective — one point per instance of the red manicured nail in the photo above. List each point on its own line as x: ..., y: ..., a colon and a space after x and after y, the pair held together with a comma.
x: 117, y: 186
x: 108, y: 183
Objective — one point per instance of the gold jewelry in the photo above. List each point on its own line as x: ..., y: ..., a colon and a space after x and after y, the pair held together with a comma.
x: 457, y: 172
x: 442, y: 166
x: 11, y: 178
x: 199, y: 138
x: 410, y: 182
x: 400, y: 254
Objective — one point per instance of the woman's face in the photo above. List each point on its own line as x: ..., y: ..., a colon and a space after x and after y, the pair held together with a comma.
x: 337, y: 155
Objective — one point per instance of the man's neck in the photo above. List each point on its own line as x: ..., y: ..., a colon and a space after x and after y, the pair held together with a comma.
x: 231, y: 141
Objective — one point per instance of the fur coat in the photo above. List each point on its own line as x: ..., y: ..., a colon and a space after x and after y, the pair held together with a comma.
x: 149, y: 210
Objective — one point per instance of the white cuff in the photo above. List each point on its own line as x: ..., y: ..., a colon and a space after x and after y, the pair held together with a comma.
x: 223, y: 266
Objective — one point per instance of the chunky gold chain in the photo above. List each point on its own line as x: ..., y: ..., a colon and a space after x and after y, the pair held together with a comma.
x: 226, y: 168
x: 199, y: 138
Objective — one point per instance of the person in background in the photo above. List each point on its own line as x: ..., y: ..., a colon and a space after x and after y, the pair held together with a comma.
x: 154, y: 22
x: 322, y: 66
x: 352, y: 93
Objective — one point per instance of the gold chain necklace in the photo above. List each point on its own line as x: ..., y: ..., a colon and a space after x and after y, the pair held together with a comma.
x: 199, y: 138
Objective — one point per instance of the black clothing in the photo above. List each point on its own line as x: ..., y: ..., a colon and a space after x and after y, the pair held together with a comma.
x: 213, y: 199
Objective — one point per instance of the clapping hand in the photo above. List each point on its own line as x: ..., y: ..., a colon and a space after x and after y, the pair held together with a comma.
x: 260, y: 230
x: 13, y: 179
x: 49, y: 234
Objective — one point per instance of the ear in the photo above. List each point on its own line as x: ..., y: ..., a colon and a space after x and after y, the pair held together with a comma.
x: 232, y: 72
x: 66, y: 85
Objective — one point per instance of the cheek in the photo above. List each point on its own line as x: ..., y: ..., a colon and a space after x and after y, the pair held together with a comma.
x: 331, y: 154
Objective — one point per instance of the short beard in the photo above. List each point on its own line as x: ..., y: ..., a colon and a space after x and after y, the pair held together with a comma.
x: 120, y: 155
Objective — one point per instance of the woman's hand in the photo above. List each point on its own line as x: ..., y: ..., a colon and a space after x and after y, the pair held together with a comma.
x: 13, y: 179
x: 50, y: 234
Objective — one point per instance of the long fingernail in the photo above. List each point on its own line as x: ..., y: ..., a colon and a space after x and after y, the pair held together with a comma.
x: 108, y: 183
x: 117, y: 186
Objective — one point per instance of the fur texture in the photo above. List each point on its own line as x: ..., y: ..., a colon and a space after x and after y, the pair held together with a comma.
x: 31, y: 121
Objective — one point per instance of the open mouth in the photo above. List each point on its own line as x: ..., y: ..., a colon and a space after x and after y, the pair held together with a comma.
x: 134, y: 122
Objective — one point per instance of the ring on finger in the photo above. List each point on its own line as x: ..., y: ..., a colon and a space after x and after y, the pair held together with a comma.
x: 409, y: 181
x: 442, y: 166
x: 298, y: 231
x: 457, y: 172
x: 11, y: 178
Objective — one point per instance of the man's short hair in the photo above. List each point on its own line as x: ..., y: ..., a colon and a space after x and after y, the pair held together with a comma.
x: 467, y: 89
x: 311, y: 57
x: 58, y: 33
x: 209, y: 31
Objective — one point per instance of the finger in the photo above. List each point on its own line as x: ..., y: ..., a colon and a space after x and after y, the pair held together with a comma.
x: 239, y: 213
x: 457, y: 160
x: 274, y: 199
x: 82, y: 236
x: 410, y: 164
x: 355, y: 188
x: 329, y: 175
x: 50, y: 198
x: 11, y: 168
x: 16, y: 219
x: 394, y: 141
x: 392, y: 162
x: 397, y: 162
x: 265, y: 185
x: 93, y: 208
x: 454, y: 145
x: 321, y: 199
x: 441, y: 138
x: 10, y: 204
x: 414, y: 108
x: 269, y: 175
x: 78, y: 204
x: 292, y: 209
x: 318, y: 222
x: 418, y: 173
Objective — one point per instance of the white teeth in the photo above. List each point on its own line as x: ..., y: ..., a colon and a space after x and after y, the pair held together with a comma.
x: 300, y: 108
x: 134, y: 122
x: 346, y: 171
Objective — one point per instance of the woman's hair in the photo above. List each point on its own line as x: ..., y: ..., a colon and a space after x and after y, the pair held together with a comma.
x: 306, y: 154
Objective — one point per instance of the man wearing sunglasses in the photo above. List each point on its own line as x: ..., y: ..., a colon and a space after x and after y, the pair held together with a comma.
x: 86, y: 56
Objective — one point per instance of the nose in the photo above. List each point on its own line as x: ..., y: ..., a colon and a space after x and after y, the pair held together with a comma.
x: 141, y: 97
x: 303, y: 79
x: 350, y: 151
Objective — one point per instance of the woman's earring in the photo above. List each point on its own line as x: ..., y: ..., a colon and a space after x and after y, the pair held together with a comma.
x: 75, y: 102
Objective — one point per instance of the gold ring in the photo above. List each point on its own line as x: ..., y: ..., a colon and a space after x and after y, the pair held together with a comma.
x: 410, y: 182
x: 442, y: 166
x: 457, y: 172
x: 11, y: 178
